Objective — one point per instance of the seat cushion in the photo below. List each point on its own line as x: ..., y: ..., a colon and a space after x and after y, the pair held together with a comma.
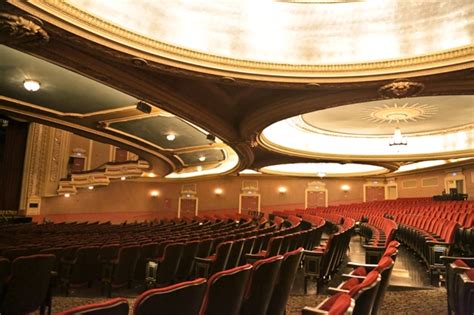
x: 349, y: 284
x: 460, y: 263
x: 337, y: 304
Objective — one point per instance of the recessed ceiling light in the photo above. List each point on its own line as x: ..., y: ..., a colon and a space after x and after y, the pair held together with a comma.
x: 202, y: 158
x: 31, y: 85
x: 170, y: 137
x: 90, y: 187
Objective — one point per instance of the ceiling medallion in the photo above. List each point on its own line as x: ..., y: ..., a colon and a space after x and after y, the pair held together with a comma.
x: 400, y: 89
x: 16, y: 29
x: 403, y: 113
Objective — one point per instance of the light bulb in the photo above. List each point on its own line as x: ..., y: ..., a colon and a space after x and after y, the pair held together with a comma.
x: 31, y: 85
x: 170, y: 137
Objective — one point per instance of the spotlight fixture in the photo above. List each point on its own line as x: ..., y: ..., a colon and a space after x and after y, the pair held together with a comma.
x: 218, y: 191
x: 144, y: 107
x: 398, y: 138
x: 170, y: 137
x: 91, y: 187
x: 31, y: 85
x: 282, y: 189
x: 67, y: 195
x: 123, y: 178
x: 202, y: 158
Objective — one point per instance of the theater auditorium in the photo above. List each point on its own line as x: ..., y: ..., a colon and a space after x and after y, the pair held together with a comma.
x: 237, y: 157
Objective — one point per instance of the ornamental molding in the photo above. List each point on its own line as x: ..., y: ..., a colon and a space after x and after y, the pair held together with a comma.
x: 144, y: 51
x: 16, y: 29
x: 401, y: 89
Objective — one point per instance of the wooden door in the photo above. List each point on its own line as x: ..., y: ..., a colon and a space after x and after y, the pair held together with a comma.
x: 249, y: 203
x: 374, y: 193
x: 315, y: 199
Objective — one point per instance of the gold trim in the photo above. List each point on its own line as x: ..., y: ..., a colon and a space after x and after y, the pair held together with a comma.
x: 83, y: 24
x: 264, y: 142
x: 59, y: 113
x: 355, y: 174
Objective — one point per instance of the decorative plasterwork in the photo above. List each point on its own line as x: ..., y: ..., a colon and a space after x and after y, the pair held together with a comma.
x: 405, y: 113
x: 21, y: 30
x: 400, y: 89
x: 66, y: 16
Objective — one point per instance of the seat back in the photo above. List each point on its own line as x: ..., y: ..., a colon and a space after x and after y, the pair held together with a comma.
x: 204, y: 248
x: 222, y: 254
x: 28, y: 285
x: 262, y: 282
x: 109, y: 252
x: 247, y: 249
x: 125, y: 268
x: 117, y: 306
x: 147, y: 251
x: 364, y: 293
x: 286, y: 277
x: 168, y: 267
x: 338, y: 304
x: 187, y: 260
x: 86, y: 265
x: 464, y: 300
x: 235, y: 253
x: 225, y: 291
x: 384, y: 267
x: 184, y: 298
x: 274, y: 245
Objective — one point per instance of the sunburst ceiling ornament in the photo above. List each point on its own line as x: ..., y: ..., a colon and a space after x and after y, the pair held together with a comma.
x: 401, y: 113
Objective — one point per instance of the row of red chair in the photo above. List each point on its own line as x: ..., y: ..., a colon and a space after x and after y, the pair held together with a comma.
x: 378, y: 233
x: 460, y: 284
x: 259, y: 289
x: 363, y: 290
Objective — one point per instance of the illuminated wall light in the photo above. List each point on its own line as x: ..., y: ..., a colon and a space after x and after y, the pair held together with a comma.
x: 282, y: 189
x: 321, y: 174
x: 31, y: 85
x: 170, y: 137
x: 202, y: 158
x: 67, y: 195
x: 90, y: 187
x: 123, y: 178
x: 155, y: 193
x: 151, y: 174
x: 199, y: 168
x: 454, y: 174
x: 345, y: 188
x: 218, y: 191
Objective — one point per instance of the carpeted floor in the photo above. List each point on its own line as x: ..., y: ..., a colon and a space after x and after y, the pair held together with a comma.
x: 419, y: 302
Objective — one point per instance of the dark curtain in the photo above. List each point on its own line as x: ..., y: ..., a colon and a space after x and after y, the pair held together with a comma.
x: 12, y: 157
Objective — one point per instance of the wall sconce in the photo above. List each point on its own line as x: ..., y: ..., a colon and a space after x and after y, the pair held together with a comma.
x: 218, y: 191
x: 90, y: 187
x: 282, y: 189
x: 154, y: 193
x: 345, y: 188
x: 67, y: 195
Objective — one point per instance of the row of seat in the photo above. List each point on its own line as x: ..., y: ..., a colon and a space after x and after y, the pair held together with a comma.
x: 321, y: 262
x: 363, y: 290
x: 259, y: 289
x: 378, y: 233
x: 460, y: 284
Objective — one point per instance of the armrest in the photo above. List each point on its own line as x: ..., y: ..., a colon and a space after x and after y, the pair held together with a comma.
x: 346, y: 276
x: 332, y: 290
x: 203, y: 260
x: 450, y: 259
x: 312, y: 253
x: 438, y: 243
x: 376, y: 248
x: 255, y: 256
x: 312, y: 310
x: 355, y: 265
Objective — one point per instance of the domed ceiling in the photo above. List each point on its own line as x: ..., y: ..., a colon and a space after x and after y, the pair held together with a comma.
x: 270, y: 86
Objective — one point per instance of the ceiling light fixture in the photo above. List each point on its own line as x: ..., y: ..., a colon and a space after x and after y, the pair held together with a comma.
x: 170, y: 137
x: 398, y: 138
x: 321, y: 174
x: 202, y: 158
x: 31, y: 85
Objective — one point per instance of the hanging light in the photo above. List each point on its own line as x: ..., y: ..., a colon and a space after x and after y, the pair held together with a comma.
x: 398, y: 138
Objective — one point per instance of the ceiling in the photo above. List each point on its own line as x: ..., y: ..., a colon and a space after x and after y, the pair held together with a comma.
x: 301, y: 83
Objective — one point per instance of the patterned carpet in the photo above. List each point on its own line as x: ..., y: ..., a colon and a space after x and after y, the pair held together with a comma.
x: 420, y: 302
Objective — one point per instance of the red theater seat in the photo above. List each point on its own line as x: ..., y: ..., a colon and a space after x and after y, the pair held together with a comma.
x: 338, y: 304
x: 117, y: 306
x: 184, y: 298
